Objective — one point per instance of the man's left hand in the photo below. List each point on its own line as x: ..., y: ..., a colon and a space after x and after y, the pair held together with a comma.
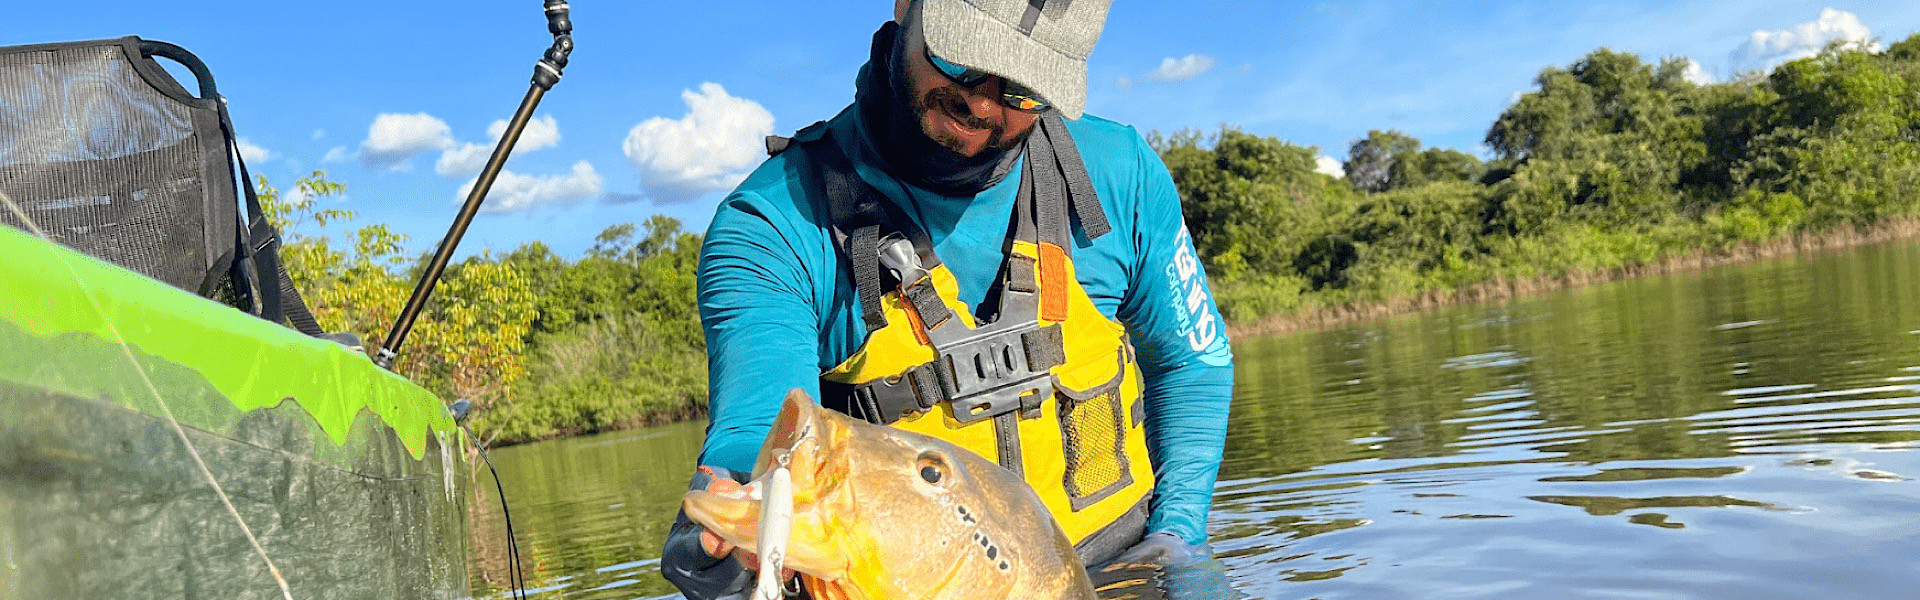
x: 1160, y: 549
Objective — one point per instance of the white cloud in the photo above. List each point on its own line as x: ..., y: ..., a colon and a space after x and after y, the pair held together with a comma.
x: 253, y: 154
x: 1175, y: 70
x: 1765, y: 49
x: 395, y: 138
x: 1697, y: 74
x: 540, y: 132
x: 469, y: 158
x: 513, y: 192
x: 464, y: 160
x: 710, y: 149
x: 1329, y: 165
x: 319, y: 133
x: 337, y: 154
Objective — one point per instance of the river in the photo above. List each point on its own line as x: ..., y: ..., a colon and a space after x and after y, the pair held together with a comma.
x: 1746, y: 431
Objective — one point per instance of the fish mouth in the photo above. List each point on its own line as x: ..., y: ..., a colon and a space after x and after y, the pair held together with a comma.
x: 801, y: 436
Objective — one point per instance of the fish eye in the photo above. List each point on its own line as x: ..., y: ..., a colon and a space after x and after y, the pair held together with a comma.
x: 933, y: 468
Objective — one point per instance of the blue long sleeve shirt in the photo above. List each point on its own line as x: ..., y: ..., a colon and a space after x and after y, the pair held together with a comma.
x: 778, y: 307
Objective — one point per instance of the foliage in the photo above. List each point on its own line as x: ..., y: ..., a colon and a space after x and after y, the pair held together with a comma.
x: 542, y: 345
x: 1371, y: 161
x: 1611, y: 161
x: 1250, y: 201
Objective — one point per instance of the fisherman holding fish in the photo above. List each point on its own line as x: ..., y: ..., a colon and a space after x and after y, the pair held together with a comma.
x: 962, y: 253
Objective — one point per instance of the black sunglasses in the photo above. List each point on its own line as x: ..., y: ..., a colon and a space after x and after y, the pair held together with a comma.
x: 1014, y: 95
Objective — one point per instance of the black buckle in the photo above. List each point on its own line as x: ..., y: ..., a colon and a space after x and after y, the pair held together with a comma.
x: 991, y: 374
x: 890, y: 399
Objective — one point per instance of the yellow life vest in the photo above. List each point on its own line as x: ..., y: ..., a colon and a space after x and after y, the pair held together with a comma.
x: 1048, y: 388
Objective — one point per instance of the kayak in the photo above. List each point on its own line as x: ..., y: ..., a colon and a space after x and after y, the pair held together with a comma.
x: 158, y: 444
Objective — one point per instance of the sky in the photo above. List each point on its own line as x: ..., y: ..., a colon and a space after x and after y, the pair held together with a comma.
x: 663, y: 105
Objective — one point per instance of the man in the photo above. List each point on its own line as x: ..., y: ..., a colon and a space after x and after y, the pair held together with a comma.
x: 962, y: 253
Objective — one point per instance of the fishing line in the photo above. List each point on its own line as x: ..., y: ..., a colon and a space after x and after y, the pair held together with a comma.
x: 515, y: 577
x: 101, y: 311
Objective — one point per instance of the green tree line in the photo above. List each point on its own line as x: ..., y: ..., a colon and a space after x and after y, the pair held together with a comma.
x: 1611, y: 161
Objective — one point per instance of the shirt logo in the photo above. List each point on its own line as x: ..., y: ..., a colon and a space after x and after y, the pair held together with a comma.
x: 1193, y: 304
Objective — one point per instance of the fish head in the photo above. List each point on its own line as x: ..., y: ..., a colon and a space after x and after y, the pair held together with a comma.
x: 880, y: 512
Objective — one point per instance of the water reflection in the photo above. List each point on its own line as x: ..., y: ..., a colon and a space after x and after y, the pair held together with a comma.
x: 1744, y: 432
x: 1664, y: 437
x: 590, y: 513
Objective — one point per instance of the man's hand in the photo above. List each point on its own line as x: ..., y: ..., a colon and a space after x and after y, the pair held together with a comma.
x: 1159, y: 549
x: 702, y: 564
x: 696, y: 560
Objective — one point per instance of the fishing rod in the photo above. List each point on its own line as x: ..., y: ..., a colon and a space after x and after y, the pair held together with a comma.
x: 546, y: 72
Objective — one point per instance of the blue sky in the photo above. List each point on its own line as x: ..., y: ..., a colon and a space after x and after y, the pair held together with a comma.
x: 664, y: 103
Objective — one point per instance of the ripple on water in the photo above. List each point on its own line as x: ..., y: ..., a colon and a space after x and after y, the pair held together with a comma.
x: 1734, y: 434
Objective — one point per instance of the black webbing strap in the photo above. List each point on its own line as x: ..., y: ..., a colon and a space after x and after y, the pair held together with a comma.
x: 1020, y: 284
x: 297, y: 314
x: 1049, y: 194
x: 886, y: 400
x: 862, y: 217
x: 863, y: 248
x: 861, y: 240
x: 927, y: 303
x: 1045, y: 347
x: 280, y: 301
x: 1078, y: 185
x: 1020, y: 274
x: 1006, y: 435
x: 245, y: 294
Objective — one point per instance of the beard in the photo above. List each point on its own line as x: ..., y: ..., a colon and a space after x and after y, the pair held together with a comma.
x: 949, y: 102
x: 900, y: 140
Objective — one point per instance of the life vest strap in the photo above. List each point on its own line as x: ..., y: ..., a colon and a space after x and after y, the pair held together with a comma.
x: 926, y: 302
x: 1000, y: 373
x: 1021, y: 275
x: 1078, y: 183
x: 885, y: 400
x: 860, y: 216
x: 864, y: 250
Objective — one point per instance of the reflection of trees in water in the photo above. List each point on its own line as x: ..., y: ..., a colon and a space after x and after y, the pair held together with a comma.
x: 590, y: 513
x: 487, y: 538
x: 1637, y: 370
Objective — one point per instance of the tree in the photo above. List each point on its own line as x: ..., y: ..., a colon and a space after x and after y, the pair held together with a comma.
x: 1370, y: 162
x: 470, y: 340
x: 1434, y: 165
x: 1252, y: 202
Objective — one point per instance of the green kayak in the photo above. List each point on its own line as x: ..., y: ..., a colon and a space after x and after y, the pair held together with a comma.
x: 157, y: 444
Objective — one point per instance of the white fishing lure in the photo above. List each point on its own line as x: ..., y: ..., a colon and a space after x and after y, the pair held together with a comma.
x: 776, y: 521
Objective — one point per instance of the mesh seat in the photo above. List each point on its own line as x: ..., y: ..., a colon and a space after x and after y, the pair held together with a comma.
x: 103, y: 151
x: 108, y: 155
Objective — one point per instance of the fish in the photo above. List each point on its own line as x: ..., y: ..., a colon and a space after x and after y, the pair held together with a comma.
x: 884, y: 513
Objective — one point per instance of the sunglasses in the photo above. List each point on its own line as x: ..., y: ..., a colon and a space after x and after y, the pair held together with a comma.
x: 1014, y: 95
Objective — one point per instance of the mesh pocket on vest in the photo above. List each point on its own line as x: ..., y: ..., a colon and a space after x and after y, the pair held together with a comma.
x: 1093, y: 430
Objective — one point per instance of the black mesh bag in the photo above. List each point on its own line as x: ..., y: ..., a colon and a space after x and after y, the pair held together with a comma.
x: 103, y: 151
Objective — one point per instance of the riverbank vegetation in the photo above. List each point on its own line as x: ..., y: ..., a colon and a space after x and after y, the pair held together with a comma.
x: 1612, y: 166
x: 1611, y: 163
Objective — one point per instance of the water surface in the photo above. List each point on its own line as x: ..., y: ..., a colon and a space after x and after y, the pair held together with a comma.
x: 1740, y: 432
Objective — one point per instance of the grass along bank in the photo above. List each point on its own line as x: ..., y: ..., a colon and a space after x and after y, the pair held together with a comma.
x: 1500, y: 290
